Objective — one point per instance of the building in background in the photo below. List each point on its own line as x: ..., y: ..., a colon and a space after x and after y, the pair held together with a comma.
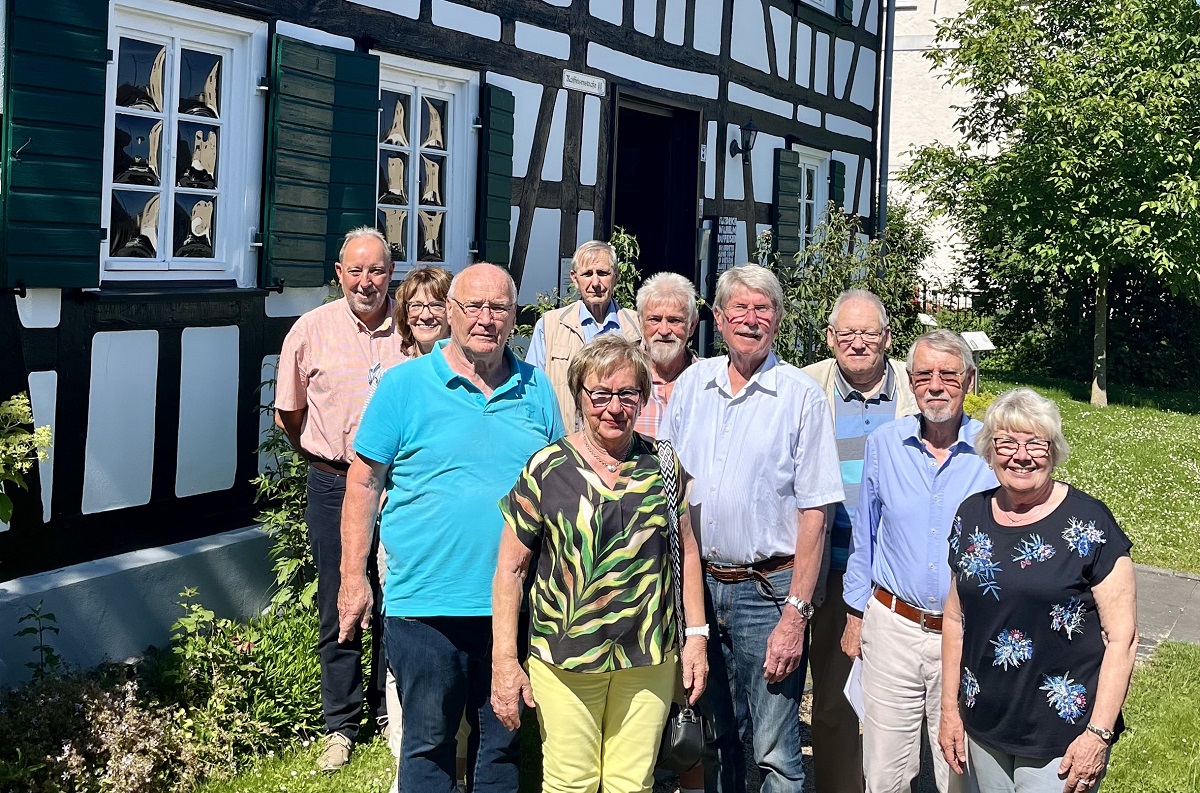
x: 177, y: 178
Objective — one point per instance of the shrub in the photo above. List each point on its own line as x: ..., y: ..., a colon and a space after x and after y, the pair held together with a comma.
x: 975, y: 405
x: 20, y: 447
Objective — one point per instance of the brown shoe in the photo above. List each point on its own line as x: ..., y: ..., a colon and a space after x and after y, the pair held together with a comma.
x: 336, y: 753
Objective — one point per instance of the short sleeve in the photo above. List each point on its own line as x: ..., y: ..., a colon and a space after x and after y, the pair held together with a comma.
x: 380, y: 434
x: 522, y: 507
x: 1116, y: 544
x: 818, y: 471
x: 291, y: 375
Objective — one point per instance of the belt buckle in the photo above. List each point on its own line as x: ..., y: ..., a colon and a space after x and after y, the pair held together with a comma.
x: 924, y: 626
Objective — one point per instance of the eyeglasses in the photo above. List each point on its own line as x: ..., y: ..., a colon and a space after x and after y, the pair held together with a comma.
x: 925, y: 377
x: 868, y: 336
x: 1036, y: 448
x: 739, y: 311
x: 602, y: 397
x: 498, y: 310
x: 437, y: 308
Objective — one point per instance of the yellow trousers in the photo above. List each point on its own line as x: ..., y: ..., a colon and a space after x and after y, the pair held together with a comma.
x: 600, y: 730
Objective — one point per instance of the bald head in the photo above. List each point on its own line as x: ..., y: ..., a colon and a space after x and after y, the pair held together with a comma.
x: 484, y: 271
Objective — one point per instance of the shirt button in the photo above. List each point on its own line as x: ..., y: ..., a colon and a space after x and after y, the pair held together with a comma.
x: 937, y: 497
x: 933, y: 600
x: 933, y: 532
x: 930, y: 567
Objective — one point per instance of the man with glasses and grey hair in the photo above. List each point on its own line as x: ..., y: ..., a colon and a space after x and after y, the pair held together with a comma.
x: 757, y: 435
x: 666, y: 307
x: 331, y: 359
x: 915, y: 473
x: 562, y: 332
x: 865, y: 389
x: 446, y: 434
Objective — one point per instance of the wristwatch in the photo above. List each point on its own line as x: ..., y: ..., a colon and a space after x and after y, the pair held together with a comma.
x: 1105, y: 735
x: 803, y: 606
x: 698, y: 630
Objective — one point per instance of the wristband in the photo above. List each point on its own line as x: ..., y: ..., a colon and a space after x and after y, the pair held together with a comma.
x: 699, y: 630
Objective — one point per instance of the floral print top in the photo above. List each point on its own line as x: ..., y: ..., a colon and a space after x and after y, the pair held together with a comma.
x: 601, y: 596
x: 1032, y: 644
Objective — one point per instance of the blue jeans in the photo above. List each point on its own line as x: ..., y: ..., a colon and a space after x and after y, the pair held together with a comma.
x: 742, y: 616
x: 443, y: 665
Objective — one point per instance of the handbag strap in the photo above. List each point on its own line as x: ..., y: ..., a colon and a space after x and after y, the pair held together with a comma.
x: 666, y: 464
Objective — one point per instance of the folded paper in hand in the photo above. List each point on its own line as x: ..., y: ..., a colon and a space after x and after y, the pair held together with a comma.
x: 853, y: 689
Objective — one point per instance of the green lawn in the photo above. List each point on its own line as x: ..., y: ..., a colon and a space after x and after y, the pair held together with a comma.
x: 1140, y: 456
x: 371, y: 770
x: 1160, y: 750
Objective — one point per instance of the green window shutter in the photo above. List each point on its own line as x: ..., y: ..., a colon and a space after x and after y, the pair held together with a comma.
x: 494, y: 188
x: 837, y: 183
x: 53, y: 170
x: 785, y: 196
x: 322, y: 154
x: 845, y: 10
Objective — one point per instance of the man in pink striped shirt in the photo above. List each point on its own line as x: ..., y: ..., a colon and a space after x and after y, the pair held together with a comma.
x: 331, y: 360
x: 666, y: 307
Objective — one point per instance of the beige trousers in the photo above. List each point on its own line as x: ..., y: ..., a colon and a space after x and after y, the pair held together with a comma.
x: 902, y: 687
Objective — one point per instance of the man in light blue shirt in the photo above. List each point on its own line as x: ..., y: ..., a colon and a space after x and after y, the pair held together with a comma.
x: 449, y: 433
x: 561, y: 333
x: 757, y: 435
x: 916, y: 471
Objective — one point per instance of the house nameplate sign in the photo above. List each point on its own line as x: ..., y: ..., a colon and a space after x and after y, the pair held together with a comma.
x: 584, y: 82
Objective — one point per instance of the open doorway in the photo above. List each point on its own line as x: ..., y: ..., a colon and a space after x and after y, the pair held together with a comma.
x: 655, y: 184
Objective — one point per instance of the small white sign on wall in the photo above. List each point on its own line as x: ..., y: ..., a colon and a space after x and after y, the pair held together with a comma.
x: 587, y: 83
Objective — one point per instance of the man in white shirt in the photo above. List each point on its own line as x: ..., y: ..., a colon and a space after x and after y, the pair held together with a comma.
x: 757, y: 435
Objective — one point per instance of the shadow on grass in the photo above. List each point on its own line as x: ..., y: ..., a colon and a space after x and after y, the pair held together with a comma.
x: 1123, y: 394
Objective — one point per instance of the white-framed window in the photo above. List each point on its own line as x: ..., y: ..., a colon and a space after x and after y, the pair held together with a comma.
x: 814, y: 190
x: 183, y: 172
x: 425, y: 203
x: 824, y: 5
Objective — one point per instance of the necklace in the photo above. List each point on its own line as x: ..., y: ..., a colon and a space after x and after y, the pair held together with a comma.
x: 612, y: 467
x: 1014, y: 518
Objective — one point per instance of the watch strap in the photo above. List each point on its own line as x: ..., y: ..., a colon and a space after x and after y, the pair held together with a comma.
x: 1105, y: 735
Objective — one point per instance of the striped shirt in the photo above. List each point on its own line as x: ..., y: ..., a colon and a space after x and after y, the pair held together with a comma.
x: 656, y: 406
x: 855, y: 416
x: 328, y: 364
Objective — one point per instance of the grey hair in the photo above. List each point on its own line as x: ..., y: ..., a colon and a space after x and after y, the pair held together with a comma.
x: 512, y: 285
x: 858, y: 294
x: 363, y: 232
x: 594, y: 248
x: 947, y: 341
x: 1023, y: 410
x: 604, y: 355
x: 668, y: 286
x: 754, y: 277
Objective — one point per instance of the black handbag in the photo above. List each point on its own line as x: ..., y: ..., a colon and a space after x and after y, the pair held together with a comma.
x: 683, y: 736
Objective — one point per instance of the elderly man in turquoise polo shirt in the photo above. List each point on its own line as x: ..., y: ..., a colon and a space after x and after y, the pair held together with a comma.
x: 447, y: 434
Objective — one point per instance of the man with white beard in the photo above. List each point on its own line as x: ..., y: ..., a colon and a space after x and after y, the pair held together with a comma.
x: 666, y: 307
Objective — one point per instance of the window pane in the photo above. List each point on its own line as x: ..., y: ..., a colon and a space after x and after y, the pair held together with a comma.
x: 196, y: 160
x: 134, y: 224
x: 810, y: 183
x: 393, y: 118
x: 393, y: 170
x: 195, y: 218
x: 432, y: 180
x: 810, y: 217
x: 140, y: 75
x: 394, y: 224
x: 434, y: 122
x: 137, y: 150
x: 200, y: 84
x: 431, y: 236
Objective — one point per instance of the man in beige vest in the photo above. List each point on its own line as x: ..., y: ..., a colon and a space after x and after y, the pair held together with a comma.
x: 562, y: 332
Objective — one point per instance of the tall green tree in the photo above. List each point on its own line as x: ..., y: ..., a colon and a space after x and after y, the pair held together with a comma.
x: 1080, y: 151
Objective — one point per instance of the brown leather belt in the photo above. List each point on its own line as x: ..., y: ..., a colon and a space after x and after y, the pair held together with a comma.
x: 335, y: 467
x: 929, y: 622
x: 727, y: 574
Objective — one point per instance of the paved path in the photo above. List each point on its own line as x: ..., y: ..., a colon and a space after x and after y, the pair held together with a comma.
x: 1168, y: 606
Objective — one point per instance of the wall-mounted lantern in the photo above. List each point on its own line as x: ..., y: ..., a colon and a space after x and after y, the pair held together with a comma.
x: 748, y: 133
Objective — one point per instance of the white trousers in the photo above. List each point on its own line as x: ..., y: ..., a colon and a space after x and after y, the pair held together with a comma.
x: 902, y: 688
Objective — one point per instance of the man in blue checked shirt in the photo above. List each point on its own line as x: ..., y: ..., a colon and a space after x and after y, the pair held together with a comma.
x: 865, y: 391
x: 916, y: 471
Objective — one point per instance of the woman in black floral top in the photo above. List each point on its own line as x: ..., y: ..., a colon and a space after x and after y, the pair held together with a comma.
x: 603, y: 663
x: 1040, y: 629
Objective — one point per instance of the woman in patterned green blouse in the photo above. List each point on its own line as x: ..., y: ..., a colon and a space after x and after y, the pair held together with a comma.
x: 603, y: 664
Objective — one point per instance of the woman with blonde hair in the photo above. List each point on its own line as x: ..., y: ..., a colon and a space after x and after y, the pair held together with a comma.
x: 1039, y: 633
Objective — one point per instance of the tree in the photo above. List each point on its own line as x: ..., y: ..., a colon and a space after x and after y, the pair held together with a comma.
x: 1080, y: 156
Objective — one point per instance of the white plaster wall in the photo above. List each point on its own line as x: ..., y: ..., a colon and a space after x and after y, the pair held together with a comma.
x: 653, y: 74
x: 40, y: 308
x: 781, y: 27
x: 740, y: 94
x: 586, y: 229
x: 293, y: 302
x: 710, y: 161
x: 589, y: 148
x: 541, y: 259
x: 821, y: 64
x: 404, y: 8
x: 119, y: 451
x: 675, y: 21
x: 552, y: 166
x: 551, y: 43
x: 116, y: 607
x: 645, y: 16
x: 43, y: 398
x: 843, y: 55
x: 763, y: 165
x: 804, y: 35
x: 206, y: 459
x: 314, y: 36
x: 466, y: 19
x: 608, y: 10
x: 862, y: 93
x: 706, y: 31
x: 733, y: 168
x: 748, y: 40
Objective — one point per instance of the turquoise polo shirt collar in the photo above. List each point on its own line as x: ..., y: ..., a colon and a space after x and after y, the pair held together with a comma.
x: 516, y: 381
x: 610, y: 319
